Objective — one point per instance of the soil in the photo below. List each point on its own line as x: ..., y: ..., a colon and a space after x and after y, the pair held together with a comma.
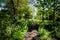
x: 33, y: 35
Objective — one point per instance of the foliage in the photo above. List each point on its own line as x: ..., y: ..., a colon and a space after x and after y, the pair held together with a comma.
x: 15, y: 22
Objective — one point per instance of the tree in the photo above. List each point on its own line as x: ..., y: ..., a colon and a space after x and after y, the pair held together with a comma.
x: 48, y: 10
x: 17, y: 20
x: 14, y: 20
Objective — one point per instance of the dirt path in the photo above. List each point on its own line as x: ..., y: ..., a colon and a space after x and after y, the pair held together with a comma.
x: 33, y: 35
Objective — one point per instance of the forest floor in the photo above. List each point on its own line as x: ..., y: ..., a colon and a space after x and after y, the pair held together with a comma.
x: 33, y: 35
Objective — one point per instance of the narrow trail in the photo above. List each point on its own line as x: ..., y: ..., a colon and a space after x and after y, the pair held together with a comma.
x: 33, y: 35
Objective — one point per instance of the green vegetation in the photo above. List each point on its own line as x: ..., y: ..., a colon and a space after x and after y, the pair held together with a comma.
x: 15, y: 22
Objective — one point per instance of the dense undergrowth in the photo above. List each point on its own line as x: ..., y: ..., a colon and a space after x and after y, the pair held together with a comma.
x: 17, y: 20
